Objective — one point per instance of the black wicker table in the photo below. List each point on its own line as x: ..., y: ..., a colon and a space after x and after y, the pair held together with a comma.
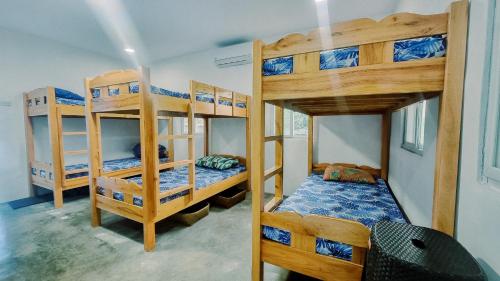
x: 402, y: 252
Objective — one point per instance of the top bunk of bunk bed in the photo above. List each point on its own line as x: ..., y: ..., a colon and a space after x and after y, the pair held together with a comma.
x: 41, y: 101
x: 361, y: 66
x: 121, y: 90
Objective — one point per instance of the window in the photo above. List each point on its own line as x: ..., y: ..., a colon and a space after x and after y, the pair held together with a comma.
x: 295, y: 123
x: 414, y: 127
x: 492, y: 140
x: 199, y: 125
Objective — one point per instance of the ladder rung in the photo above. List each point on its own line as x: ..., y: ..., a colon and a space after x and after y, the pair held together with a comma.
x: 175, y: 137
x: 272, y: 171
x: 175, y: 190
x: 273, y: 138
x: 77, y: 171
x: 74, y: 133
x: 75, y: 152
x: 175, y: 164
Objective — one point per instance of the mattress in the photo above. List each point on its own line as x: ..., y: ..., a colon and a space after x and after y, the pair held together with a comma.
x: 365, y: 203
x: 68, y: 98
x: 109, y: 166
x: 178, y: 177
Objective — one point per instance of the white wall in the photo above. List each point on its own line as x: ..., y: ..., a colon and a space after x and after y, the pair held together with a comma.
x: 478, y: 227
x: 411, y: 176
x: 30, y: 62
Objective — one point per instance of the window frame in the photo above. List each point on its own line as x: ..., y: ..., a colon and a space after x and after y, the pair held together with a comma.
x: 492, y: 140
x: 419, y: 128
x: 183, y: 126
x: 291, y: 126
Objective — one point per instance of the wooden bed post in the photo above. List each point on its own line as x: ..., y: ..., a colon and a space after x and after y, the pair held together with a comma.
x: 92, y: 123
x: 170, y: 132
x: 206, y: 144
x: 310, y: 134
x: 257, y: 175
x: 191, y: 149
x: 450, y: 120
x: 248, y: 143
x: 30, y: 145
x: 55, y: 143
x: 149, y: 155
x: 278, y: 151
x: 385, y: 145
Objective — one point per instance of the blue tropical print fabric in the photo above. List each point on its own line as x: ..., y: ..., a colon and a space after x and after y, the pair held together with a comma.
x: 68, y: 98
x: 420, y: 48
x: 109, y: 166
x: 365, y: 203
x: 178, y: 177
x: 134, y: 89
x: 277, y: 66
x: 339, y: 58
x: 205, y: 97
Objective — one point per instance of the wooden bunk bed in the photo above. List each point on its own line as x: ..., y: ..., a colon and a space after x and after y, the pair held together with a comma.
x: 56, y: 104
x: 156, y: 196
x: 355, y: 67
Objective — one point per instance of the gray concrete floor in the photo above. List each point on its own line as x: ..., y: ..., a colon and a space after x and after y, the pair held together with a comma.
x: 42, y: 243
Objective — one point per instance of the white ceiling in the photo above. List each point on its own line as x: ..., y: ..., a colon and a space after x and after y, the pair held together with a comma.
x: 160, y: 29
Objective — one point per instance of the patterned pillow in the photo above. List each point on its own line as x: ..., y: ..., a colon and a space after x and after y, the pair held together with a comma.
x: 217, y: 162
x: 347, y: 174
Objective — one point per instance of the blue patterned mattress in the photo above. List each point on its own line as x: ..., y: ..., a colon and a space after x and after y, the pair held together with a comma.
x: 365, y: 203
x: 179, y: 177
x: 68, y: 98
x: 404, y: 50
x: 109, y: 166
x: 209, y: 98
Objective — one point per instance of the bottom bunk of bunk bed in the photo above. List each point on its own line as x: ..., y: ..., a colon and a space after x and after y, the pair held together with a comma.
x: 76, y: 175
x: 342, y: 210
x: 172, y: 179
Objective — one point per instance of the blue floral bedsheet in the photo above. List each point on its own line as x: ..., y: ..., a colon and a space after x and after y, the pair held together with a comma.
x: 364, y: 203
x: 179, y: 177
x: 109, y: 166
x: 209, y: 98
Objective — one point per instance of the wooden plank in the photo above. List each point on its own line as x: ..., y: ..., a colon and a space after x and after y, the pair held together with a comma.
x: 310, y: 131
x: 119, y: 115
x: 175, y: 164
x: 273, y: 204
x: 311, y: 264
x: 191, y: 150
x: 358, y: 32
x: 385, y: 145
x: 175, y: 191
x: 115, y: 78
x: 119, y: 185
x: 450, y: 118
x: 71, y: 110
x: 116, y: 103
x: 120, y: 208
x: 55, y: 143
x: 170, y: 104
x: 257, y: 164
x: 75, y: 152
x: 278, y: 152
x: 248, y: 143
x: 206, y: 137
x: 150, y: 162
x: 335, y: 229
x: 92, y: 124
x: 396, y: 78
x: 271, y: 172
x: 273, y: 138
x: 30, y: 145
x: 371, y: 53
x: 84, y: 133
x: 308, y: 62
x: 77, y: 171
x: 170, y: 129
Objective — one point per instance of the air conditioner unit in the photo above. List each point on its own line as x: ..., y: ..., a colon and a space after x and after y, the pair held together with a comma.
x: 233, y: 61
